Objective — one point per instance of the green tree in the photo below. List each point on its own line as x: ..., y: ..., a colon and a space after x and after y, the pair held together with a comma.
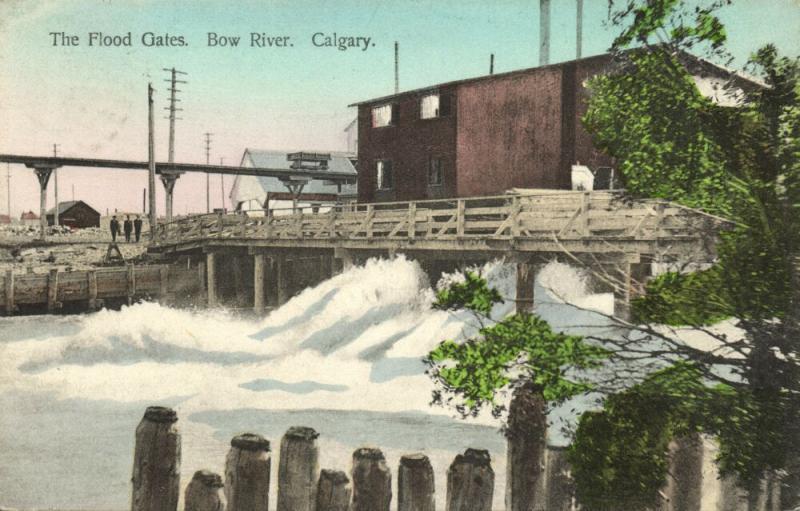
x: 739, y: 162
x: 503, y: 354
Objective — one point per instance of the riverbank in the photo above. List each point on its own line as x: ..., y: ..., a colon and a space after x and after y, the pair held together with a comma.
x: 23, y: 252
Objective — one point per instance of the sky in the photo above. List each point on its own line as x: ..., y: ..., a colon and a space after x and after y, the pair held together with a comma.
x: 92, y: 100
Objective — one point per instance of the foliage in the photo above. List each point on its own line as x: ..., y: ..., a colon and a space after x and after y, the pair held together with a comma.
x: 619, y: 455
x: 519, y: 348
x: 673, y: 298
x: 741, y: 163
x: 652, y: 118
x: 473, y: 294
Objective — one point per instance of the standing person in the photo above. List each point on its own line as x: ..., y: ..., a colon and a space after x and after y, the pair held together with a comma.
x: 137, y: 228
x: 127, y: 227
x: 114, y: 228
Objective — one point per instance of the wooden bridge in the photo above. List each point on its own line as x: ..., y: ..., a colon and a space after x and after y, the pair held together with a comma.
x: 598, y: 227
x: 579, y: 222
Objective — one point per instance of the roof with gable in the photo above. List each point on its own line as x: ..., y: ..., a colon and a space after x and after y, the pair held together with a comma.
x: 692, y: 62
x: 65, y: 206
x: 256, y: 187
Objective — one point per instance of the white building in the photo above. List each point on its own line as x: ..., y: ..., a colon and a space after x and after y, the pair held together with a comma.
x: 250, y: 193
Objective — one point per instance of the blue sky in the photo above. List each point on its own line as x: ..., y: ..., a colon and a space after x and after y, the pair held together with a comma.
x: 92, y: 100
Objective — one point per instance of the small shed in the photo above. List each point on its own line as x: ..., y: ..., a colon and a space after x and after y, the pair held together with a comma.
x: 75, y: 214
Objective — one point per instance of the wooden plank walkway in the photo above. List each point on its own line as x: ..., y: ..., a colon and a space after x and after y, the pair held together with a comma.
x: 580, y: 222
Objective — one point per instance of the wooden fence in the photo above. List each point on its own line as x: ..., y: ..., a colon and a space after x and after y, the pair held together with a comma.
x: 565, y: 215
x: 469, y: 487
x: 91, y: 288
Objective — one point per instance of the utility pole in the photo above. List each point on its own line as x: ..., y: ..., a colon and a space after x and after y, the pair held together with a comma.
x: 396, y: 68
x: 8, y: 181
x: 151, y: 162
x: 172, y: 108
x: 544, y: 32
x: 222, y: 183
x: 55, y: 176
x: 208, y: 176
x: 73, y: 192
x: 579, y: 31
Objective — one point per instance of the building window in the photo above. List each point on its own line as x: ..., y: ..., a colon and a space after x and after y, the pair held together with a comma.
x: 435, y: 172
x: 384, y: 180
x: 384, y: 115
x: 429, y: 106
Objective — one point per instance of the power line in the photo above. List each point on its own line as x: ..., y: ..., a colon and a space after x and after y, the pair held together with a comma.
x: 55, y: 185
x: 173, y: 80
x: 208, y: 178
x: 222, y: 183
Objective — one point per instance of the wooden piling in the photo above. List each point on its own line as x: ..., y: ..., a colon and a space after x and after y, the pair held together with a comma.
x: 470, y: 482
x: 259, y: 297
x: 211, y: 276
x: 131, y: 283
x: 333, y: 491
x: 415, y: 485
x: 156, y: 461
x: 91, y: 277
x: 163, y: 283
x: 526, y: 276
x: 526, y: 440
x: 372, y: 481
x: 247, y: 470
x: 202, y: 493
x: 560, y: 486
x: 684, y: 486
x: 8, y: 284
x: 52, y: 290
x: 238, y: 281
x: 281, y: 272
x: 298, y: 470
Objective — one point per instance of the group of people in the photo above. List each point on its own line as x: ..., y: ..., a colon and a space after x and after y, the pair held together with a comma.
x: 128, y: 227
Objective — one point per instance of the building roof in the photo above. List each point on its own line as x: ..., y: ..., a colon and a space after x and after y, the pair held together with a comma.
x: 65, y: 206
x: 29, y: 215
x: 686, y: 58
x: 252, y: 187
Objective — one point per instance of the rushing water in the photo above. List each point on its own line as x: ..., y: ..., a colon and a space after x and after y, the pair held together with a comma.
x: 343, y: 358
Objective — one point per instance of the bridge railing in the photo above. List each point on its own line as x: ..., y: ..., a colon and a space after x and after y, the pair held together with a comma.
x: 560, y: 214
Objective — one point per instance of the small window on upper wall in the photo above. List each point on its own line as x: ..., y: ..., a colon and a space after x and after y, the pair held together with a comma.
x: 435, y: 172
x: 429, y: 106
x: 383, y: 115
x: 384, y: 177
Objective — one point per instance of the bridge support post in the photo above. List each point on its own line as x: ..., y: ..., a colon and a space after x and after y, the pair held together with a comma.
x: 43, y: 173
x: 282, y: 279
x: 259, y: 297
x: 633, y: 277
x: 168, y: 179
x: 526, y: 277
x: 345, y: 258
x: 211, y: 279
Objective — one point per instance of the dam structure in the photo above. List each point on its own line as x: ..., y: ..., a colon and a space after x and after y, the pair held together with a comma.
x: 259, y: 259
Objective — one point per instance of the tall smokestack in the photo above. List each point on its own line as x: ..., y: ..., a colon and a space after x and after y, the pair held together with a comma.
x: 579, y: 31
x: 491, y: 64
x: 544, y: 32
x: 396, y: 68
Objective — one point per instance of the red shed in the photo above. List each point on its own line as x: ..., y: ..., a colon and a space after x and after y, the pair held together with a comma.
x: 75, y: 214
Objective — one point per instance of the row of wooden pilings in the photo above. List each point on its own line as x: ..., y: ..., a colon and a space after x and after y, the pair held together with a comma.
x: 301, y: 485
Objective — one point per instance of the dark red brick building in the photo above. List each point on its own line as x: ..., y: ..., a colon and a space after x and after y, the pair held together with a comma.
x: 483, y: 136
